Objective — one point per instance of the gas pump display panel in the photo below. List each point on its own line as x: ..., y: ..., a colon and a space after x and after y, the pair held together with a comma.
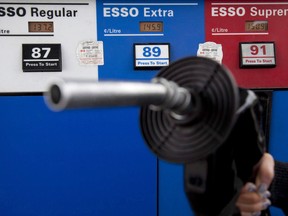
x: 251, y: 24
x: 41, y: 40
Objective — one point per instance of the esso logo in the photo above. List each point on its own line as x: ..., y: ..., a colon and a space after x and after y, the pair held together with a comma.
x: 11, y: 11
x: 227, y: 11
x: 120, y: 12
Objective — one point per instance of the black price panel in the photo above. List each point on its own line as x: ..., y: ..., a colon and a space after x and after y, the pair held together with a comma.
x: 41, y: 58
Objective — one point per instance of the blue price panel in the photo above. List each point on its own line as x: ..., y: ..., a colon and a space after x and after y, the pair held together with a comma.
x: 119, y: 27
x: 151, y: 56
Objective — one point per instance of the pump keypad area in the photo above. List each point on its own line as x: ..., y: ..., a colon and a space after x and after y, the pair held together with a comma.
x: 41, y: 58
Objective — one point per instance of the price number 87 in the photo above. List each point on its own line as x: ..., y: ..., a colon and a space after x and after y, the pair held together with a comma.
x: 38, y: 52
x: 151, y: 52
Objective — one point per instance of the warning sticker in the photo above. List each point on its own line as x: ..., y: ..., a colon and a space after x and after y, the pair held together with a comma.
x: 90, y: 53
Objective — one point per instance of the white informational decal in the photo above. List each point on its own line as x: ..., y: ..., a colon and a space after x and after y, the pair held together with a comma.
x: 39, y: 40
x: 211, y: 50
x: 90, y: 53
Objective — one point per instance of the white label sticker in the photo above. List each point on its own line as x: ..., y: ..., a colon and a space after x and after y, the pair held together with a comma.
x: 211, y: 50
x: 90, y: 53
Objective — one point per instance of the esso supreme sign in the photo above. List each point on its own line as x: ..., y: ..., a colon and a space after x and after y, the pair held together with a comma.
x: 227, y: 11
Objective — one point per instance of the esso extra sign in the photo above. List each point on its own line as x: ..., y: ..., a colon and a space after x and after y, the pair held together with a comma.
x: 227, y: 11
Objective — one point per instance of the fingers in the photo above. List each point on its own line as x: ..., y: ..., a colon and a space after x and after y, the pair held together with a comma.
x: 254, y: 198
x: 251, y: 201
x: 265, y: 172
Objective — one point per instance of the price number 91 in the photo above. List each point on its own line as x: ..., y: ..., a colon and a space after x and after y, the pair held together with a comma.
x: 256, y: 50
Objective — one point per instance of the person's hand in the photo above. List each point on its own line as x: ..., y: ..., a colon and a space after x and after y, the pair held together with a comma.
x: 254, y: 197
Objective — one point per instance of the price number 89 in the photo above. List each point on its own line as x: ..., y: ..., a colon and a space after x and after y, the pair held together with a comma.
x: 151, y: 52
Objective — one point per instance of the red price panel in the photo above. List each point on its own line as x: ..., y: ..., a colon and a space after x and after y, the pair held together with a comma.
x: 253, y: 25
x: 258, y: 54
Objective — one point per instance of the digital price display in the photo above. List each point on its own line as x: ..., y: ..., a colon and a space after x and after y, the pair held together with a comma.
x: 40, y: 26
x: 257, y: 54
x: 151, y: 26
x: 151, y: 56
x: 256, y: 26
